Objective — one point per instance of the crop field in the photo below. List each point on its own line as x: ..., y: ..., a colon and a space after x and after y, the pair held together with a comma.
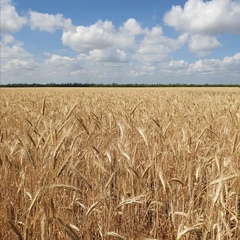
x: 119, y: 163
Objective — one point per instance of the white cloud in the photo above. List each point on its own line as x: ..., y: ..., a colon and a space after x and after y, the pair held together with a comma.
x: 144, y: 70
x: 218, y: 69
x: 106, y: 55
x: 58, y: 60
x: 63, y: 67
x: 57, y: 65
x: 10, y: 20
x: 102, y: 35
x: 176, y: 68
x: 7, y: 39
x: 204, y: 21
x: 14, y: 57
x: 232, y: 64
x: 132, y: 27
x: 156, y: 47
x: 149, y: 68
x: 103, y: 42
x: 221, y: 68
x: 205, y: 17
x: 206, y: 66
x: 48, y: 22
x: 128, y: 53
x: 202, y: 45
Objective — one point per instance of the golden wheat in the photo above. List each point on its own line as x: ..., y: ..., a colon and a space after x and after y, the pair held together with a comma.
x: 119, y: 163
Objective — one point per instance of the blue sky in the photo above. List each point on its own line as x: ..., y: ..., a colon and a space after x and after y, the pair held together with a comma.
x: 129, y: 41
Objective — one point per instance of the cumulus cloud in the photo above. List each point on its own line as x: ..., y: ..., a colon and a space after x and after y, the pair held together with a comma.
x: 205, y: 17
x: 10, y: 20
x: 101, y: 35
x: 132, y: 27
x: 58, y: 65
x: 206, y: 66
x: 204, y: 21
x: 14, y: 56
x: 144, y: 70
x: 103, y: 42
x: 176, y: 68
x: 220, y: 68
x: 58, y: 60
x: 156, y: 47
x: 232, y: 64
x: 48, y: 22
x: 106, y: 55
x: 202, y: 45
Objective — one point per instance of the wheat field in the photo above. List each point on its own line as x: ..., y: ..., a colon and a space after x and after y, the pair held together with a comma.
x: 120, y: 163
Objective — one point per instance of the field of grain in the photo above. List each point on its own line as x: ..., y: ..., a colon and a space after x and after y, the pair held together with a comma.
x: 118, y: 163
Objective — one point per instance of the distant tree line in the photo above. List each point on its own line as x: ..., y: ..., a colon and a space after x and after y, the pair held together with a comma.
x: 83, y: 85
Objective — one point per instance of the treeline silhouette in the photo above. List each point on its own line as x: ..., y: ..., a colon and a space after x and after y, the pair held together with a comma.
x: 83, y: 85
